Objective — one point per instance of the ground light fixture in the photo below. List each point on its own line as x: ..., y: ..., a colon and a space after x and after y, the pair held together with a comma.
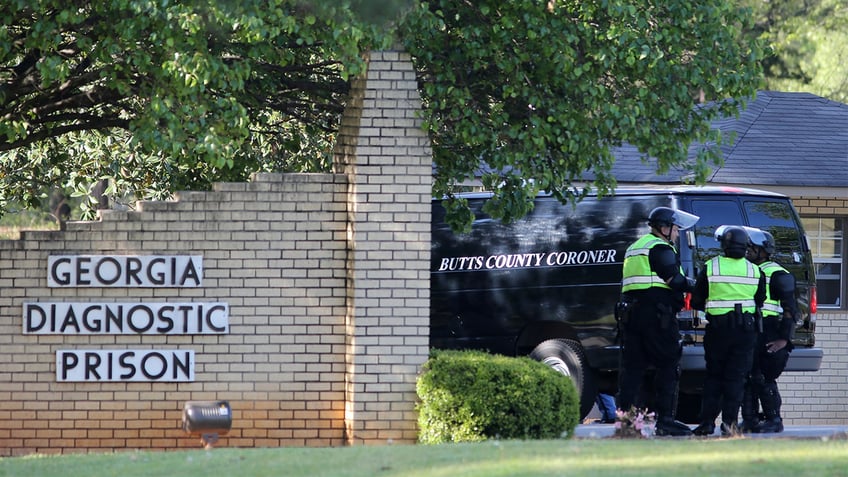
x: 207, y: 419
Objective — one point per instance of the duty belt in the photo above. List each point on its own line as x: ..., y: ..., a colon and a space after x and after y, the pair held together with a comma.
x: 741, y: 321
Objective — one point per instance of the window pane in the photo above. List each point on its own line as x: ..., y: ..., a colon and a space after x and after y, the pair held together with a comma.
x: 825, y: 236
x: 713, y: 213
x: 776, y: 218
x: 828, y: 290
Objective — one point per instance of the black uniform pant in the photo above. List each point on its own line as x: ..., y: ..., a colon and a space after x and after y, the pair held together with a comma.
x: 729, y: 355
x: 770, y: 365
x: 650, y: 338
x: 766, y: 368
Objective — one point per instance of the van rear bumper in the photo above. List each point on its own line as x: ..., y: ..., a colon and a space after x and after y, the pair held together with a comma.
x: 800, y: 359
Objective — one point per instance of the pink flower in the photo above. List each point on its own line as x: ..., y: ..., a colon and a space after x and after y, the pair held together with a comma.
x: 634, y: 423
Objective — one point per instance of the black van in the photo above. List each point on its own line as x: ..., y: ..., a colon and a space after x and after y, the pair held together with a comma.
x: 546, y: 285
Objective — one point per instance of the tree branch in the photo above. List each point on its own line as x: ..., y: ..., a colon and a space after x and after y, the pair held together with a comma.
x: 45, y: 133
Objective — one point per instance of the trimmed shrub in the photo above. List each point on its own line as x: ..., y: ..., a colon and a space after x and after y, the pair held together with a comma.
x: 474, y: 396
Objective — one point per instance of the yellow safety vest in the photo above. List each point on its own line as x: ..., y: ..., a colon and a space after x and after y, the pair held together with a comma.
x: 771, y: 307
x: 731, y: 281
x: 637, y: 274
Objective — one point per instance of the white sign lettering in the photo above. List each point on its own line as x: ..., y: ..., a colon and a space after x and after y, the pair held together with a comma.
x: 125, y: 318
x: 124, y: 271
x: 527, y: 260
x: 124, y: 365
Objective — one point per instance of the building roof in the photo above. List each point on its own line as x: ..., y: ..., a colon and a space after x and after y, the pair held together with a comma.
x: 782, y: 139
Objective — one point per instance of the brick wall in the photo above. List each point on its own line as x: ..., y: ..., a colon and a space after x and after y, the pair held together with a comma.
x: 821, y: 397
x: 385, y: 153
x: 326, y: 280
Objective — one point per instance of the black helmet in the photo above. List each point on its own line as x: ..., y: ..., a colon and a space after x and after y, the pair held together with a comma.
x: 734, y: 240
x: 665, y: 216
x: 762, y: 239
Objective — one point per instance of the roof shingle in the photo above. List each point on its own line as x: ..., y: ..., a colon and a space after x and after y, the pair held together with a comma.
x: 782, y: 139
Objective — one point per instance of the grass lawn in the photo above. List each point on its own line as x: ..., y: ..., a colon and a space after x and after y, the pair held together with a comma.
x: 579, y: 457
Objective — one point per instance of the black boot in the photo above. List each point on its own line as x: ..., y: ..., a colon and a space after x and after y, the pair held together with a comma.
x: 704, y: 429
x: 772, y: 425
x: 771, y: 400
x: 667, y: 426
x: 750, y: 409
x: 666, y: 405
x: 710, y: 407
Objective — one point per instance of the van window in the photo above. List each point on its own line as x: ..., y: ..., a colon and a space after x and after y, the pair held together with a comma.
x: 777, y: 218
x: 713, y: 213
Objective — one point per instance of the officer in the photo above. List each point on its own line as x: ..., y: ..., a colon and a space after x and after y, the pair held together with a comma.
x: 774, y: 342
x: 652, y: 288
x: 606, y: 406
x: 729, y: 289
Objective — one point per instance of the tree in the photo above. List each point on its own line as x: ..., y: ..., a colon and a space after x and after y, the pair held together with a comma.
x: 809, y: 44
x: 537, y: 90
x: 162, y: 96
x: 159, y: 96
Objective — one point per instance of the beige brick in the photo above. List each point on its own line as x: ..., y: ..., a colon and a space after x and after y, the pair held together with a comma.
x: 277, y: 251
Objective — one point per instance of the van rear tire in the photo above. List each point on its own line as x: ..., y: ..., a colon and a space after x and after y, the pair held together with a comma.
x: 567, y: 357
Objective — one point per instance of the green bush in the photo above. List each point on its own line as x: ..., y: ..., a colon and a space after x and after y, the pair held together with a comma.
x: 474, y: 396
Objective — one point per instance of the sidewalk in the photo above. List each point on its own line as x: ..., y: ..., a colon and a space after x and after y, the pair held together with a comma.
x: 600, y: 431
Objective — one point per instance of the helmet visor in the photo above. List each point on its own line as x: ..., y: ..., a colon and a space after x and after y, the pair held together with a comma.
x: 683, y: 220
x: 757, y: 236
x: 720, y: 230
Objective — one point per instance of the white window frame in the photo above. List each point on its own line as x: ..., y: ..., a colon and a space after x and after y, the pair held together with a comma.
x: 818, y: 236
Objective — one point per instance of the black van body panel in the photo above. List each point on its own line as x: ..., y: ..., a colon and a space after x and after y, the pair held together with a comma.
x: 556, y: 273
x: 557, y: 269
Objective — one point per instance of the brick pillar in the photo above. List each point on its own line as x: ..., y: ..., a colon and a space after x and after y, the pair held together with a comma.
x: 386, y: 155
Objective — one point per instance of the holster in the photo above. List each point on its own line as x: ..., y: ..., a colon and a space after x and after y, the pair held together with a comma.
x: 749, y: 322
x: 736, y: 321
x: 742, y: 320
x: 623, y: 309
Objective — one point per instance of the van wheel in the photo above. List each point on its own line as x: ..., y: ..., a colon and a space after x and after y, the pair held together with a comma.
x: 568, y: 358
